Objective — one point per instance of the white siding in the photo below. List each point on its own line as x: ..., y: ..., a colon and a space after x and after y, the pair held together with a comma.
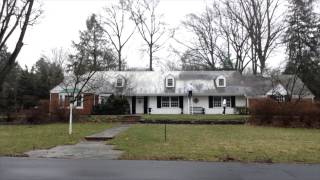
x: 163, y: 110
x: 203, y: 102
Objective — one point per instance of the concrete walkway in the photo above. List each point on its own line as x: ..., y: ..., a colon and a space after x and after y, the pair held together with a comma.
x: 97, y: 149
x: 107, y: 134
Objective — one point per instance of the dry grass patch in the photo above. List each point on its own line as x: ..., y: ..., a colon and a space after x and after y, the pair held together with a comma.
x: 220, y: 143
x: 17, y: 139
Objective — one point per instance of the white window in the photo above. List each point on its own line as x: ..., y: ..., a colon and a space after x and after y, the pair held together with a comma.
x: 174, y: 102
x: 79, y: 102
x: 221, y: 81
x: 228, y: 100
x: 120, y: 82
x: 64, y: 100
x: 165, y: 101
x: 216, y: 101
x: 170, y: 82
x: 279, y: 98
x: 170, y: 101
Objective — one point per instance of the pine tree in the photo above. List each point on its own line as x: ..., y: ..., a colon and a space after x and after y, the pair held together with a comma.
x: 302, y: 41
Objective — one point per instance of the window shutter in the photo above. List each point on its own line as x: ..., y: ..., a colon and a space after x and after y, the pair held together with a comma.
x: 158, y: 101
x: 145, y: 104
x: 134, y: 104
x: 181, y: 102
x: 233, y: 101
x: 210, y: 101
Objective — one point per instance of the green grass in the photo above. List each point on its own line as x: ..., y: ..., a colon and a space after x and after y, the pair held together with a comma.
x: 17, y: 139
x: 220, y: 143
x: 186, y: 117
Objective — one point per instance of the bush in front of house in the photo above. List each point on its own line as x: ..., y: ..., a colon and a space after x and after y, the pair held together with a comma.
x: 38, y: 114
x: 115, y: 105
x: 289, y: 114
x: 62, y: 113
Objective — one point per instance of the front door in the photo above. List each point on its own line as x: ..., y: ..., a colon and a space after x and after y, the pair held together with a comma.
x: 140, y: 105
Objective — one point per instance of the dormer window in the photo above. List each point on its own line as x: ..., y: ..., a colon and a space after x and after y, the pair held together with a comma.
x: 120, y: 82
x: 221, y: 81
x: 170, y: 82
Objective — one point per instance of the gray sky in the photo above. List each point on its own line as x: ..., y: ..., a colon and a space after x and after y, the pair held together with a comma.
x: 62, y: 20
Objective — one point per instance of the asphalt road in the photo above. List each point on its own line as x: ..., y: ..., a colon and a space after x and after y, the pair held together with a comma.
x: 43, y: 169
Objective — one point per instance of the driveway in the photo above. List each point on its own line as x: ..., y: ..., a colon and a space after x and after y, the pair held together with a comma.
x: 82, y: 169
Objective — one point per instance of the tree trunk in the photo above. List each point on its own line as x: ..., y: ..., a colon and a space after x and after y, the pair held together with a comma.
x: 70, y: 118
x: 150, y: 57
x: 120, y: 61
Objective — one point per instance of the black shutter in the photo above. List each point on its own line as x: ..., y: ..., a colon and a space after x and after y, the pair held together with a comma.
x: 145, y: 104
x: 181, y: 102
x: 233, y: 101
x: 134, y: 105
x: 210, y: 101
x: 158, y: 101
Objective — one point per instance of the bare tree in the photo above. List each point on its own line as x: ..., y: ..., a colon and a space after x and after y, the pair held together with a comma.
x: 114, y: 21
x: 150, y: 26
x: 15, y: 17
x: 204, y: 46
x: 57, y: 56
x: 263, y: 23
x: 235, y: 35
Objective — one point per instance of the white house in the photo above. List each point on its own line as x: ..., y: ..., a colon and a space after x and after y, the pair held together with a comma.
x: 157, y: 92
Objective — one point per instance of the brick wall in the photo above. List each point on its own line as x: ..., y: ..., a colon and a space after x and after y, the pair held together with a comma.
x: 89, y: 101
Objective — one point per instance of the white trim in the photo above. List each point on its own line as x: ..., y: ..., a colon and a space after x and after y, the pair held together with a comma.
x: 170, y: 102
x: 62, y: 96
x: 167, y: 81
x: 122, y: 82
x: 278, y: 90
x: 221, y: 78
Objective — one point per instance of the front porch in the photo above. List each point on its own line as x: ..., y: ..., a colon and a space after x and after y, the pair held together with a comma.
x: 184, y: 105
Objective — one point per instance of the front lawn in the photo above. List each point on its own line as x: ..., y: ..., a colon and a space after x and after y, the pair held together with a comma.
x: 220, y: 143
x: 186, y: 117
x: 17, y: 139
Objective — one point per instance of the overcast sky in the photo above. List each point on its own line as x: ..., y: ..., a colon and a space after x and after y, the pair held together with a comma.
x: 62, y: 20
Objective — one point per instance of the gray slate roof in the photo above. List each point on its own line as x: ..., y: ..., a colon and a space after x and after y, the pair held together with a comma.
x: 153, y: 83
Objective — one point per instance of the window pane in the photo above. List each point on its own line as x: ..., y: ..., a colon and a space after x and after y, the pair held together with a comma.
x: 79, y: 102
x: 119, y: 82
x: 221, y: 82
x: 228, y: 99
x: 165, y: 101
x: 280, y: 98
x: 216, y: 101
x: 170, y: 82
x: 174, y: 101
